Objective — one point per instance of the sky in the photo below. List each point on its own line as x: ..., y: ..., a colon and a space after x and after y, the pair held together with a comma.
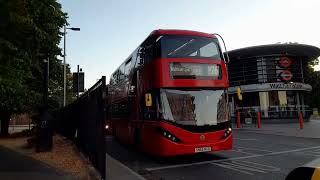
x: 112, y: 29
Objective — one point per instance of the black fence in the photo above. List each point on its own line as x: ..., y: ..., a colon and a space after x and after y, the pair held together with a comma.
x: 83, y: 122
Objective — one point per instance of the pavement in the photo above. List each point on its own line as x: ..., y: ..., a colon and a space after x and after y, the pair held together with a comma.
x: 116, y: 170
x: 15, y: 166
x: 271, y: 152
x: 310, y: 129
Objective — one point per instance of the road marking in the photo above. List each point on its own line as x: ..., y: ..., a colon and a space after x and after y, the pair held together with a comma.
x: 240, y: 167
x: 247, y: 167
x: 260, y: 166
x: 230, y: 159
x: 315, y: 153
x: 256, y: 149
x: 248, y: 139
x: 311, y: 153
x: 240, y: 151
x: 234, y: 169
x: 318, y: 150
x: 308, y: 154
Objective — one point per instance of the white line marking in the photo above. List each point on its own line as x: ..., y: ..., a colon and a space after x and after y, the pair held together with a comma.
x: 256, y: 149
x: 241, y: 167
x: 232, y: 168
x: 123, y: 166
x: 247, y: 167
x: 235, y: 158
x: 254, y: 165
x: 240, y: 151
x: 309, y: 154
x: 315, y: 152
x: 248, y: 139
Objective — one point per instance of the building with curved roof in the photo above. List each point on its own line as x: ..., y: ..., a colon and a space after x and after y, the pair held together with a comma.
x: 271, y: 79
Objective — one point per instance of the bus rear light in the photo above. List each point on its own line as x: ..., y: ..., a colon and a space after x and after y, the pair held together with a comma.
x: 168, y: 135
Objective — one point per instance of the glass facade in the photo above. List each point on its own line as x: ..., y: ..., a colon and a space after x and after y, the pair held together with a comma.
x: 273, y: 103
x: 266, y: 69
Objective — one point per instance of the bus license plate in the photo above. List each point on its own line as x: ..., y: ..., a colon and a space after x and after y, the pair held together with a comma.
x: 202, y: 149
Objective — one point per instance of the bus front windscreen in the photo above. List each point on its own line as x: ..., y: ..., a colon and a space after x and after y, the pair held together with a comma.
x: 179, y: 46
x: 193, y: 107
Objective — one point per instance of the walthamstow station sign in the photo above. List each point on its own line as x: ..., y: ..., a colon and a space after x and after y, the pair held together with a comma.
x: 272, y: 87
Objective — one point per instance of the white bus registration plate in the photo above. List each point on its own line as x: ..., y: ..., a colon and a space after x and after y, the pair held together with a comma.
x: 202, y: 149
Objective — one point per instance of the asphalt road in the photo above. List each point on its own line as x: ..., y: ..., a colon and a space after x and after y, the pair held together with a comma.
x: 254, y: 156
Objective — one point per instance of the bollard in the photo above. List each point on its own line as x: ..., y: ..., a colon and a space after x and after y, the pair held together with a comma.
x: 238, y: 119
x: 258, y: 119
x: 300, y: 120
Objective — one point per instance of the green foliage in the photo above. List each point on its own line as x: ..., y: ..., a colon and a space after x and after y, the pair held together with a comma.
x: 30, y: 33
x: 313, y: 78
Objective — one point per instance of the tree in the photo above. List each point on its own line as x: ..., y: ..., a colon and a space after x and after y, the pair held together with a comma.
x: 312, y: 77
x: 29, y: 33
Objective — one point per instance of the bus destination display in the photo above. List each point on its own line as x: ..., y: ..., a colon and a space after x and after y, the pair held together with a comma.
x: 194, y: 71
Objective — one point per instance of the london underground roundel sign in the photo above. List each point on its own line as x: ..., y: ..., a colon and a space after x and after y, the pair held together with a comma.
x: 286, y: 75
x: 285, y: 62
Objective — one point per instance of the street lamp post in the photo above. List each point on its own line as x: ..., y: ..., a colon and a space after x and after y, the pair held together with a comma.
x: 64, y: 62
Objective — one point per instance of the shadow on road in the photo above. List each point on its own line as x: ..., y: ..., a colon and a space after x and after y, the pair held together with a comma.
x: 134, y: 158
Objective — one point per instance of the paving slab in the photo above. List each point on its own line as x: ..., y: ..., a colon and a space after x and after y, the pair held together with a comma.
x: 15, y: 166
x: 310, y: 129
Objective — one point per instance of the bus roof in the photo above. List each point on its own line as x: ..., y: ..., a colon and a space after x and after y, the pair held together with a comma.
x: 181, y: 32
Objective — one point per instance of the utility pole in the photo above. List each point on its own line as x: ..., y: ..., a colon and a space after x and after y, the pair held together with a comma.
x: 78, y: 81
x: 64, y: 66
x: 46, y: 81
x: 64, y: 62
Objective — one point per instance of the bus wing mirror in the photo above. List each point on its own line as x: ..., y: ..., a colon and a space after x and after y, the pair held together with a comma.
x: 225, y: 55
x: 148, y: 99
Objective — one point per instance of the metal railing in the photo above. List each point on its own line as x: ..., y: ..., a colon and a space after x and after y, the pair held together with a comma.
x: 83, y: 122
x: 275, y: 112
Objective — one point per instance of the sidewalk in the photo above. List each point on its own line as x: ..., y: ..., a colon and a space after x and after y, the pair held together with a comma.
x: 311, y: 129
x: 116, y: 171
x: 15, y: 166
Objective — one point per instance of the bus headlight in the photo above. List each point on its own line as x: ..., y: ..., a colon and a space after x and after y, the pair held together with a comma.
x: 227, y: 132
x: 168, y: 135
x: 107, y: 127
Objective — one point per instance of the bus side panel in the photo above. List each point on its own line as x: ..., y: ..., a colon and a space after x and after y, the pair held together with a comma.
x: 150, y: 138
x: 121, y: 130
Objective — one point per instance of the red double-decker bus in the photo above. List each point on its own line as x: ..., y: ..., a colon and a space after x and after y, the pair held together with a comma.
x: 169, y: 97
